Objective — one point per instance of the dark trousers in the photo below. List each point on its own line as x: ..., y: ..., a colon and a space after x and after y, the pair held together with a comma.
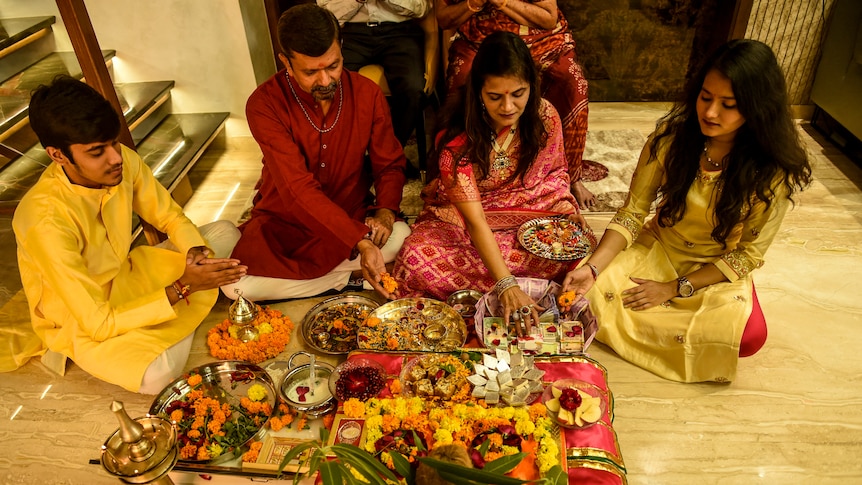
x: 398, y: 47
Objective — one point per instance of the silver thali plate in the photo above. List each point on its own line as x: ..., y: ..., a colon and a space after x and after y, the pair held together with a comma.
x: 414, y: 324
x: 225, y: 381
x: 322, y: 333
x: 556, y: 238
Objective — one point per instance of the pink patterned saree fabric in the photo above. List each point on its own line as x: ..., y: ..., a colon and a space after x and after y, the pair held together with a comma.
x: 439, y: 258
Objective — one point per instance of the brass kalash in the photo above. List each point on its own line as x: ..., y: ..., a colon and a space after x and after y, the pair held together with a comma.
x: 241, y: 313
x: 142, y: 450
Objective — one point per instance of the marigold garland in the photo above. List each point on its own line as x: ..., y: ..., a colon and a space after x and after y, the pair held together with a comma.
x: 274, y: 330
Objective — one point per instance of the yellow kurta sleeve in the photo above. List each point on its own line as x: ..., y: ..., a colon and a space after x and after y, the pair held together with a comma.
x: 73, y: 298
x: 155, y: 205
x: 643, y: 190
x: 758, y: 231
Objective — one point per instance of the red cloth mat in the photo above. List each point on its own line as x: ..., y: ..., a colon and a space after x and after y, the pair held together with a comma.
x: 593, y: 454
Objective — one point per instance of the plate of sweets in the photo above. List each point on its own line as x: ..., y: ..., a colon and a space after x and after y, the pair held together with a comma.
x: 330, y: 326
x: 436, y: 376
x: 574, y: 403
x: 556, y: 238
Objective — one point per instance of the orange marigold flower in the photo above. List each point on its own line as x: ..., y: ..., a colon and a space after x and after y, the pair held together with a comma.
x: 388, y: 282
x: 566, y: 299
x: 328, y: 419
x: 188, y: 451
x: 372, y: 322
x: 395, y: 386
x: 392, y: 343
x: 275, y: 423
x: 177, y: 415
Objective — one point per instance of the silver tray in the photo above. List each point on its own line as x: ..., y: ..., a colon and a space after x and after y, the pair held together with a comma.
x: 226, y: 381
x: 570, y: 241
x: 317, y: 325
x: 414, y: 324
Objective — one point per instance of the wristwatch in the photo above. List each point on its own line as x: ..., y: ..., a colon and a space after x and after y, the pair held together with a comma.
x: 684, y: 287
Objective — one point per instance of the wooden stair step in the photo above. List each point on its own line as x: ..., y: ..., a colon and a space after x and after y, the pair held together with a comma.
x: 20, y: 30
x: 16, y: 89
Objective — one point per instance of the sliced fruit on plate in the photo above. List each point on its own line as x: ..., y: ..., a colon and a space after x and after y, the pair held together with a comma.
x: 566, y: 416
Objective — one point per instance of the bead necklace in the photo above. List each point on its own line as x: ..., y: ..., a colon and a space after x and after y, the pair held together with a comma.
x: 501, y: 159
x: 301, y: 106
x: 708, y: 158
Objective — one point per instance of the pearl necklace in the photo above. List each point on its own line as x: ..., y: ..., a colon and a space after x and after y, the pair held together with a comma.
x: 501, y: 159
x: 708, y: 158
x: 302, y: 107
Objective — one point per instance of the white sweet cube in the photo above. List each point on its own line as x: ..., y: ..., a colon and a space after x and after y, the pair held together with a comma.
x: 534, y: 374
x: 479, y: 391
x: 502, y: 355
x: 517, y: 371
x: 492, y: 397
x: 492, y: 385
x: 477, y: 380
x: 491, y: 374
x: 479, y: 368
x: 504, y: 378
x: 489, y: 361
x: 502, y: 366
x: 516, y: 359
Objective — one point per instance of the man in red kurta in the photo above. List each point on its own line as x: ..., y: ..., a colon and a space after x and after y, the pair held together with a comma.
x: 326, y: 137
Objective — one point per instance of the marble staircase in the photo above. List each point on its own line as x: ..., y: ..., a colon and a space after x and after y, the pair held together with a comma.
x: 170, y: 143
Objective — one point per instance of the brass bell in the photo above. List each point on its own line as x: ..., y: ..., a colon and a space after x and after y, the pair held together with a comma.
x: 242, y: 311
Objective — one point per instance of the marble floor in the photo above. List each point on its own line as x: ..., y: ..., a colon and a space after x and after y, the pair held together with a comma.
x: 793, y: 415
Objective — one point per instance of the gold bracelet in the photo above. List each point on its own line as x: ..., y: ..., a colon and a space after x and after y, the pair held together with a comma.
x: 470, y: 7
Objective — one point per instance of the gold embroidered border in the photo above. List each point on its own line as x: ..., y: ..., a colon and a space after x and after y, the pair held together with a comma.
x: 631, y: 223
x: 739, y: 262
x: 598, y: 465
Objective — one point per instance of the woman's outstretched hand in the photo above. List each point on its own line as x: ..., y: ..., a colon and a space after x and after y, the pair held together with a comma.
x: 579, y: 280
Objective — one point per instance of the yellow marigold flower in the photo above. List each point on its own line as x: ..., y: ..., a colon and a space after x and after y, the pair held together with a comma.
x: 354, y: 408
x: 358, y: 476
x: 215, y: 450
x: 442, y: 437
x: 256, y: 392
x: 264, y: 328
x: 524, y: 427
x: 233, y: 331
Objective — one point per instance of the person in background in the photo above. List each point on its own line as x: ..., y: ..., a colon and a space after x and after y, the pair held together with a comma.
x: 326, y: 137
x: 124, y: 316
x: 545, y: 30
x: 674, y: 294
x: 387, y: 32
x: 501, y: 164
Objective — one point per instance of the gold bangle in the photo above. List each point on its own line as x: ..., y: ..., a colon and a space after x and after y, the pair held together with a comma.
x: 470, y: 7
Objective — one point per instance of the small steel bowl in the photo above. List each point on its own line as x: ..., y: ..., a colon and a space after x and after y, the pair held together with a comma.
x: 315, y: 405
x: 464, y: 302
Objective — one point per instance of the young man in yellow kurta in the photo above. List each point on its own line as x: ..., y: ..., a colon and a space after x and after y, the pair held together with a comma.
x: 116, y: 312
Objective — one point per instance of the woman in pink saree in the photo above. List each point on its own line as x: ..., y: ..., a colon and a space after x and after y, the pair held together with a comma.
x: 502, y: 163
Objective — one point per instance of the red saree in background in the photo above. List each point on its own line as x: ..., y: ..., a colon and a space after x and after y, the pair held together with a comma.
x: 439, y: 258
x: 563, y: 82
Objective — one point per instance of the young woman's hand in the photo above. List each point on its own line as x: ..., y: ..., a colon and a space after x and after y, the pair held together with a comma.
x: 579, y: 280
x: 648, y: 294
